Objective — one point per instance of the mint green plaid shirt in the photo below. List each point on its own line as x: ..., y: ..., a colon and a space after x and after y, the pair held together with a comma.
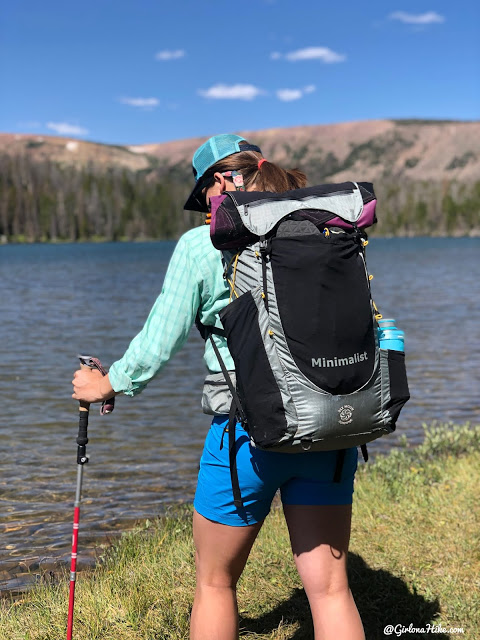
x: 193, y: 282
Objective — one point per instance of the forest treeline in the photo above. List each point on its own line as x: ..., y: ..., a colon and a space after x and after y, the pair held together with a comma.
x: 47, y: 202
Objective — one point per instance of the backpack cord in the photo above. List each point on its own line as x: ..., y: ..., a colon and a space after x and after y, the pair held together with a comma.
x: 363, y: 245
x: 264, y: 253
x: 232, y: 281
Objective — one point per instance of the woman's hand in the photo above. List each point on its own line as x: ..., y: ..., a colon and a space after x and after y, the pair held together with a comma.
x: 89, y: 385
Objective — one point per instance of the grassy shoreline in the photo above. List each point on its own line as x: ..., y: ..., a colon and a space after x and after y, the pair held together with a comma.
x: 414, y: 559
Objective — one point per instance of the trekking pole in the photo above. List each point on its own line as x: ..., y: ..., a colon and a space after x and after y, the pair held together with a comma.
x: 86, y: 362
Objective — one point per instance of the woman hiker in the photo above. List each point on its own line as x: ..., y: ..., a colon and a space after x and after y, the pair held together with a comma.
x: 317, y: 510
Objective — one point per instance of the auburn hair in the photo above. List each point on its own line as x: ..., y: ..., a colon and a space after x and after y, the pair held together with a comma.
x: 270, y: 177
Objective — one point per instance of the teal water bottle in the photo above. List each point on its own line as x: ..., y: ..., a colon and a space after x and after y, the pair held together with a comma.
x: 389, y: 336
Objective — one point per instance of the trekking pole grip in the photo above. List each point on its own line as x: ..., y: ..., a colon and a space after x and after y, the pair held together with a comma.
x: 82, y: 438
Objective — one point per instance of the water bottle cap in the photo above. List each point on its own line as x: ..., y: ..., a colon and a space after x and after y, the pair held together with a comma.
x: 386, y: 322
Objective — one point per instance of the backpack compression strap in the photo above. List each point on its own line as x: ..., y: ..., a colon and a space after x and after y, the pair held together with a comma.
x: 235, y: 408
x: 232, y: 456
x: 337, y: 476
x: 206, y: 331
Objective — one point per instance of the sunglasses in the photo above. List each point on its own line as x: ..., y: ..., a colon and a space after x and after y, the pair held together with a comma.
x: 237, y: 179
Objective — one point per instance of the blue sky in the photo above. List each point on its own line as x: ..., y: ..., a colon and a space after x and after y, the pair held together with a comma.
x: 126, y: 72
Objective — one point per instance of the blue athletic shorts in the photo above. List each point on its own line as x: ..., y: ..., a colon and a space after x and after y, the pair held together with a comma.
x: 303, y: 478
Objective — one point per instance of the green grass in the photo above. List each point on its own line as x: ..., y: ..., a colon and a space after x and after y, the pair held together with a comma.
x: 414, y: 558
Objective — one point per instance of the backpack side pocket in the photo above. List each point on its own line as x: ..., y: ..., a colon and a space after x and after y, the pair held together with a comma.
x: 399, y: 392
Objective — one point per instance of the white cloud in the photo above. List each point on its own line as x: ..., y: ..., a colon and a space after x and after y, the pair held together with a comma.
x: 231, y: 92
x: 143, y: 103
x: 275, y: 55
x: 288, y: 95
x: 315, y: 53
x: 430, y: 17
x: 175, y: 54
x: 66, y: 129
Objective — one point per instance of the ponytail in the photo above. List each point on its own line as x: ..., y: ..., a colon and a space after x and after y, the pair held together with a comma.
x: 270, y: 177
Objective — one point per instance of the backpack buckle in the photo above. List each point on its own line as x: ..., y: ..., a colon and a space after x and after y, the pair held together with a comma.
x: 265, y: 247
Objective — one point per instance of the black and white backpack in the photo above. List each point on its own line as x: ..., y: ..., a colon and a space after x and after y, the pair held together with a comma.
x: 301, y: 324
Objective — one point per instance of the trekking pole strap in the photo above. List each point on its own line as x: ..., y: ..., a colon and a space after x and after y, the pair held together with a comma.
x: 94, y: 363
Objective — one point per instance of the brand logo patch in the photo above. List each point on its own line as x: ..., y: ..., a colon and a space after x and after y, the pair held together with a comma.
x: 339, y: 362
x: 346, y: 414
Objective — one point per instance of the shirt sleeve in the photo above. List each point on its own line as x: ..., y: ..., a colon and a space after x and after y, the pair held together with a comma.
x: 167, y: 327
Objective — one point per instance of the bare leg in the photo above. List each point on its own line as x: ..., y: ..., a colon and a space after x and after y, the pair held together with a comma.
x: 221, y: 555
x: 320, y: 536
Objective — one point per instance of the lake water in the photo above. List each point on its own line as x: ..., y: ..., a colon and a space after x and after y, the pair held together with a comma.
x: 60, y: 300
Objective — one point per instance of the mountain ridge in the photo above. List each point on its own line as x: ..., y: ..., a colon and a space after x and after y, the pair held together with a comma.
x: 411, y: 149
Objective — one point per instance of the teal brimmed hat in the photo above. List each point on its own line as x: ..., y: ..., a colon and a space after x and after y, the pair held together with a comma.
x: 211, y: 151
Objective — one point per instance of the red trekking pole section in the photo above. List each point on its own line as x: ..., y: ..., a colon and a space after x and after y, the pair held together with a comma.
x: 82, y: 458
x: 73, y: 572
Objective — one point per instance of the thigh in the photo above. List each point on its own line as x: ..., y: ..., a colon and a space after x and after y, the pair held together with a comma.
x: 320, y: 536
x: 311, y: 478
x: 221, y: 550
x: 256, y: 474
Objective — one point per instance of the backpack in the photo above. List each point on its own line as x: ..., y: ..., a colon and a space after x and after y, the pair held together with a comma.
x: 301, y: 324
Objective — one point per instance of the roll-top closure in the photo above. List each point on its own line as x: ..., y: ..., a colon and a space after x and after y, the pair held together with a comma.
x: 260, y: 216
x: 239, y: 218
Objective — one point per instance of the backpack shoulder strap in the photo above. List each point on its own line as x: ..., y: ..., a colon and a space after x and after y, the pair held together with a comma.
x: 206, y: 330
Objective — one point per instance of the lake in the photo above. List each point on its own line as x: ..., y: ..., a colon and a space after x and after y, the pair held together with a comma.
x: 60, y: 300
